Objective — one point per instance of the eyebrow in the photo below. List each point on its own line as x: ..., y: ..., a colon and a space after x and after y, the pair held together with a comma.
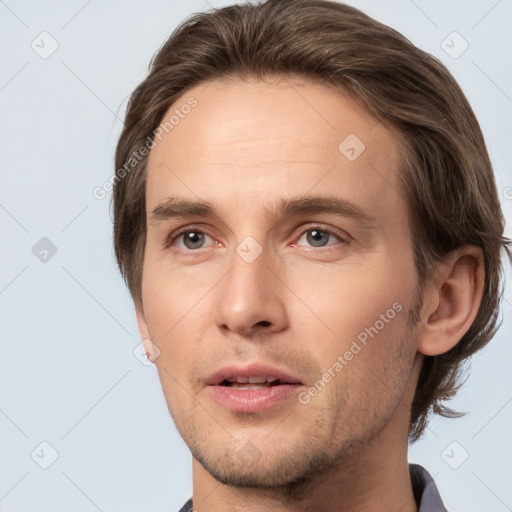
x: 173, y: 208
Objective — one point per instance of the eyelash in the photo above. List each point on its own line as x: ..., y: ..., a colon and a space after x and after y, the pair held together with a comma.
x: 176, y: 234
x: 342, y: 239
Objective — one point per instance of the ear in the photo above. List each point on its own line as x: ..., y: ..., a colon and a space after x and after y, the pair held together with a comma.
x: 451, y: 301
x: 152, y: 351
x: 141, y: 321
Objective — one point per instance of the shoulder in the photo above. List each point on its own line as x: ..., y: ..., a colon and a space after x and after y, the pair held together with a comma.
x: 425, y: 490
x: 187, y: 507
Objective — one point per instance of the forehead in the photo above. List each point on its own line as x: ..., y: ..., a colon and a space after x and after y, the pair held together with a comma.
x: 248, y: 142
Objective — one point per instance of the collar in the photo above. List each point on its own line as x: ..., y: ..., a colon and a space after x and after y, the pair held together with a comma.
x: 425, y: 491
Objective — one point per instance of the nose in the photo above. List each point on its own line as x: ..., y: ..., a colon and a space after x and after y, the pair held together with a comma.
x: 250, y: 298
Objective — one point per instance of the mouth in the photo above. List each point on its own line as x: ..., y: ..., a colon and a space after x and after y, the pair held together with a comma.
x: 252, y: 388
x: 249, y: 383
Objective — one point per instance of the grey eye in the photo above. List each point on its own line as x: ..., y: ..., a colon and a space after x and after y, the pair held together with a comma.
x: 317, y: 237
x: 193, y: 239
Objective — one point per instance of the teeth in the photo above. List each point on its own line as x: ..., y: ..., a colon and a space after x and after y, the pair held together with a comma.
x: 257, y: 380
x: 251, y: 380
x: 250, y: 386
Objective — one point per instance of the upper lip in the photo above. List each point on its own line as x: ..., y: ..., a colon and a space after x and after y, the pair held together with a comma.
x: 233, y: 372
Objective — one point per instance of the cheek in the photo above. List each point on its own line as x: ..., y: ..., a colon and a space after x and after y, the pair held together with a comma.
x: 171, y: 296
x: 360, y: 316
x: 178, y: 311
x: 375, y: 368
x: 349, y: 298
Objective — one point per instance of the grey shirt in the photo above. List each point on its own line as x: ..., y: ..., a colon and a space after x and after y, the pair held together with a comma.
x: 423, y: 487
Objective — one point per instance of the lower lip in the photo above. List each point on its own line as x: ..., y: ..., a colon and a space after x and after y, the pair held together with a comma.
x: 253, y: 400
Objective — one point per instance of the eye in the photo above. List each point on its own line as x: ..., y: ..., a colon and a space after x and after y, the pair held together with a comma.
x: 317, y: 237
x: 189, y: 239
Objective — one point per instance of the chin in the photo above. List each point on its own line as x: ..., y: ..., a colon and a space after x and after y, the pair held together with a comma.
x: 249, y: 475
x: 272, y: 467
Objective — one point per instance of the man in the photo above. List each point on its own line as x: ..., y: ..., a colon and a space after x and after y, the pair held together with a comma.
x: 306, y: 217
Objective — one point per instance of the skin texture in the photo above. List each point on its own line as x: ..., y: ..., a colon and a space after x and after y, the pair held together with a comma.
x: 298, y: 306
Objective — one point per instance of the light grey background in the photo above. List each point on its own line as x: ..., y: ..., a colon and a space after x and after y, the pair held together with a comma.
x: 68, y: 374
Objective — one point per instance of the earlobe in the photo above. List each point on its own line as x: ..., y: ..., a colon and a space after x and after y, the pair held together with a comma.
x: 455, y: 296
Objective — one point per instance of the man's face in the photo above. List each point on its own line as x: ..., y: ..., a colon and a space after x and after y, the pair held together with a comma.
x: 313, y: 297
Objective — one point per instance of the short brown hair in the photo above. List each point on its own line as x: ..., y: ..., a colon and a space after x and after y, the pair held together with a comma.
x: 446, y: 175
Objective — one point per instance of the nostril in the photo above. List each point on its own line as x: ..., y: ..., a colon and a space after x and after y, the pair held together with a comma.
x: 264, y: 323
